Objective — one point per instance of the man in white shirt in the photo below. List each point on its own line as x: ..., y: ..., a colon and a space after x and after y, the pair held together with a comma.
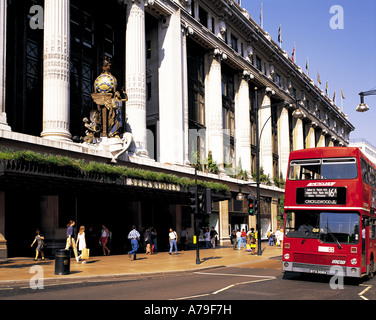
x: 173, y: 240
x: 134, y: 236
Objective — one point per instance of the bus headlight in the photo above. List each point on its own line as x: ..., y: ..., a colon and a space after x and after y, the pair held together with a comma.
x: 287, y: 256
x: 354, y: 261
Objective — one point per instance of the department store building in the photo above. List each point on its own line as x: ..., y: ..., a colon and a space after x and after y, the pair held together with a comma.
x: 195, y: 74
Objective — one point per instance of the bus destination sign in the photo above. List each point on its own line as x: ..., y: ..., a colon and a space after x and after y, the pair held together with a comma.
x: 321, y: 195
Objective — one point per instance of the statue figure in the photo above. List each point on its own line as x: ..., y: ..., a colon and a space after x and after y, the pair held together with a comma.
x: 115, y: 115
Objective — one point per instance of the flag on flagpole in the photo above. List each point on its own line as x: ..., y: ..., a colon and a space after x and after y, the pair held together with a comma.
x: 280, y: 36
x: 307, y: 66
x: 293, y: 53
x: 343, y: 97
x: 326, y: 88
x: 334, y: 96
x: 261, y: 18
x: 318, y: 77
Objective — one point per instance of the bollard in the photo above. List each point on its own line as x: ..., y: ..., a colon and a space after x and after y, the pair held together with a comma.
x: 62, y: 262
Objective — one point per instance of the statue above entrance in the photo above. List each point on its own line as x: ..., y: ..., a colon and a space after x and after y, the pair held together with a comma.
x: 107, y: 122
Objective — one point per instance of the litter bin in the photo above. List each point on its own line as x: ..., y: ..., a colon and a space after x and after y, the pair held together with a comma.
x: 62, y: 262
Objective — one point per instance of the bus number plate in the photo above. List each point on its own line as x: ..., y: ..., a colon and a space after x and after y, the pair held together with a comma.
x: 315, y: 271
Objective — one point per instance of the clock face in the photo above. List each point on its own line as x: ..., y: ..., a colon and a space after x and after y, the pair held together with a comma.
x: 105, y: 83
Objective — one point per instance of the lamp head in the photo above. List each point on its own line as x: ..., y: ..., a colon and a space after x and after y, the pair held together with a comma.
x: 362, y: 107
x: 240, y: 197
x: 298, y: 114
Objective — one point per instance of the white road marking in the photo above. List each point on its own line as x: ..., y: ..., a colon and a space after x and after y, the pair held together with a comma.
x: 264, y: 278
x: 364, y: 291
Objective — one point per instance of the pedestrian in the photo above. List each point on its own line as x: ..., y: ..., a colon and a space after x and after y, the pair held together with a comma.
x: 270, y: 238
x: 252, y: 238
x: 134, y: 236
x: 207, y: 238
x: 39, y: 239
x: 173, y: 238
x: 104, y: 240
x: 238, y: 238
x: 213, y: 236
x: 277, y: 237
x: 233, y: 239
x: 81, y: 242
x: 147, y: 239
x: 243, y: 235
x: 154, y: 240
x: 70, y: 238
x: 280, y: 238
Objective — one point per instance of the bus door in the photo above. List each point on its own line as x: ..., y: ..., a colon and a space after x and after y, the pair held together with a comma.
x: 365, y: 236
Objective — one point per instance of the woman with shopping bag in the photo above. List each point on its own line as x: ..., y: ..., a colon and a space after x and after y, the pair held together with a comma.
x: 81, y: 245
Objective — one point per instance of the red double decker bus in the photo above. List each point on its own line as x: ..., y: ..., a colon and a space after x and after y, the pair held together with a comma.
x: 330, y: 221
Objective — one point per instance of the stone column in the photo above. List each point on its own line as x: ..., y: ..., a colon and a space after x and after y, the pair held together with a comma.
x: 310, y: 140
x: 185, y: 97
x: 298, y: 139
x: 265, y: 130
x: 136, y: 76
x: 171, y: 99
x: 242, y: 124
x: 213, y: 110
x: 3, y: 62
x: 56, y: 65
x: 321, y: 142
x: 224, y: 238
x: 283, y: 140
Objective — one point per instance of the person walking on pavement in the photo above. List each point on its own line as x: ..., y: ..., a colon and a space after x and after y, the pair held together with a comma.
x: 39, y: 239
x: 173, y: 236
x: 253, y: 239
x: 134, y: 236
x: 70, y: 239
x: 233, y: 239
x: 81, y: 242
x: 244, y: 240
x: 239, y: 238
x: 213, y: 236
x: 154, y: 240
x: 207, y: 239
x: 104, y: 240
x: 147, y: 239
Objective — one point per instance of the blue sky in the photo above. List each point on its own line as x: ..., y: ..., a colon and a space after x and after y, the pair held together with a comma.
x: 346, y: 58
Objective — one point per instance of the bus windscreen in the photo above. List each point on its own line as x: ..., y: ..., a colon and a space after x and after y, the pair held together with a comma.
x: 323, y: 169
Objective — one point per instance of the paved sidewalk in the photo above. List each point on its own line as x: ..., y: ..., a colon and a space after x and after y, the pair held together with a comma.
x: 15, y: 270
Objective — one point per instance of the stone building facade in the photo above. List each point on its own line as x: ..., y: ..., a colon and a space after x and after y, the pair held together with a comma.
x: 196, y: 74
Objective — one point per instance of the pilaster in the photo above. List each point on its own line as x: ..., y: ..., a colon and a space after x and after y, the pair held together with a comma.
x: 56, y: 66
